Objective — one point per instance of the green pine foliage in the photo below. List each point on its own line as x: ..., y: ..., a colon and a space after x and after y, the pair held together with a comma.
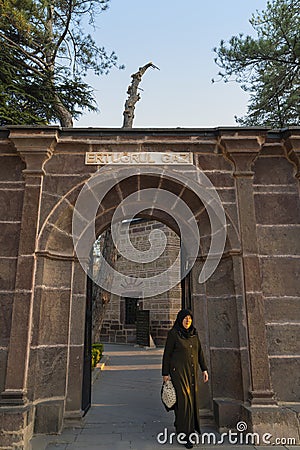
x: 45, y: 56
x: 267, y: 66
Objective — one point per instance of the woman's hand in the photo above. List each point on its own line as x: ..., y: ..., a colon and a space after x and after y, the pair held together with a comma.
x: 166, y: 378
x: 205, y: 376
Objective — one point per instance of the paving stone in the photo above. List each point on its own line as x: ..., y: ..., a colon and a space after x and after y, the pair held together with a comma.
x: 56, y: 447
x: 107, y: 446
x: 122, y: 414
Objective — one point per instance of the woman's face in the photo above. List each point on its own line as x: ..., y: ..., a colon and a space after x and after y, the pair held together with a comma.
x: 187, y: 322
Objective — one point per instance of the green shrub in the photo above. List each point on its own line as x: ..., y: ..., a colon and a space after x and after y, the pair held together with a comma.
x: 97, y: 350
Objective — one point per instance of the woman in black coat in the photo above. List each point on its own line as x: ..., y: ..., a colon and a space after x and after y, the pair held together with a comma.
x: 182, y: 356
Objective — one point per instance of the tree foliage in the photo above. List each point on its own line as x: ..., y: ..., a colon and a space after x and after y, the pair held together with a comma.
x: 45, y: 56
x: 267, y: 66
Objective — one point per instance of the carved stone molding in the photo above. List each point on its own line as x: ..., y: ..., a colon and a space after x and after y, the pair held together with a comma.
x: 242, y: 151
x: 291, y: 145
x: 35, y: 146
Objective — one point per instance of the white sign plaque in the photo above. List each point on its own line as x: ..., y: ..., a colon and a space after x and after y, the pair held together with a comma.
x: 138, y: 158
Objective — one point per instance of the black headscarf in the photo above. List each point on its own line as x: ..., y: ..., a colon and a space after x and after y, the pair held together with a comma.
x: 186, y: 333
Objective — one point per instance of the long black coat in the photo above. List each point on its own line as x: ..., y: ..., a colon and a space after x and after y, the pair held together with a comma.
x: 181, y: 360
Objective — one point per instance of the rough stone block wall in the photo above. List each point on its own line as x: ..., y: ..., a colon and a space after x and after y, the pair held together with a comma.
x: 55, y: 365
x: 278, y: 230
x: 218, y: 303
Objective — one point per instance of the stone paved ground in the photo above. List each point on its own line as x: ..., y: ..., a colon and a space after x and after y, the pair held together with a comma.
x: 126, y: 412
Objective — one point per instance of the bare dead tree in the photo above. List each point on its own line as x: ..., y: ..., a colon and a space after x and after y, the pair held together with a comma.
x: 101, y: 297
x: 133, y: 95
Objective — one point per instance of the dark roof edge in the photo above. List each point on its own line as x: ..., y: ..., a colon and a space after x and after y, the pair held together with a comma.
x: 94, y: 131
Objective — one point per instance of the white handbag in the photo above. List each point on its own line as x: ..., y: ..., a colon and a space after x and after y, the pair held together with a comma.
x: 168, y: 394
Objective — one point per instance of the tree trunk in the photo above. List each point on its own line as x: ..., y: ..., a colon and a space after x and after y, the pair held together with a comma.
x: 65, y: 117
x: 133, y: 95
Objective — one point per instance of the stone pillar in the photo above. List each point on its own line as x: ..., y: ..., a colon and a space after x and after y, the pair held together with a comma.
x: 35, y: 147
x: 242, y: 152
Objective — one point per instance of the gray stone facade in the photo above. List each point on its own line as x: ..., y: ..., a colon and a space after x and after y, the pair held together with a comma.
x: 247, y: 313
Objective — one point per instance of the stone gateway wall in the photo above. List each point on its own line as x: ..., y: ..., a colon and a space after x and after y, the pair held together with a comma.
x: 247, y: 313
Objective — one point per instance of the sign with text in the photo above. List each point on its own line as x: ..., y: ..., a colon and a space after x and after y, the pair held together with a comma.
x: 137, y: 158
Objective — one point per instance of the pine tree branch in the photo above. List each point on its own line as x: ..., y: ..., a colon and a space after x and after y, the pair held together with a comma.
x: 65, y: 32
x: 28, y: 55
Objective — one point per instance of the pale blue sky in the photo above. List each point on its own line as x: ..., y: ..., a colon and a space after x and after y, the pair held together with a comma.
x: 179, y: 38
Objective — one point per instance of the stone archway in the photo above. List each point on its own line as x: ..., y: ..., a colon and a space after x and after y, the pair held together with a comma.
x: 57, y: 266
